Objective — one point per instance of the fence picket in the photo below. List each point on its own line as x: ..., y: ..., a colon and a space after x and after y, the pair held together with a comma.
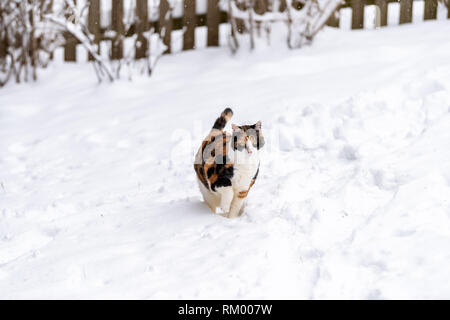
x: 212, y: 22
x: 430, y: 10
x: 406, y: 11
x: 165, y: 24
x: 334, y: 19
x: 448, y: 9
x: 357, y: 14
x: 70, y: 46
x: 260, y: 6
x: 383, y: 7
x: 118, y: 27
x: 3, y: 45
x: 189, y: 22
x: 141, y: 27
x: 2, y: 41
x: 94, y: 23
x: 2, y: 48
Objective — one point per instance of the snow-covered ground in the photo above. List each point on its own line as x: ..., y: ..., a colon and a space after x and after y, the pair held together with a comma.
x: 98, y: 197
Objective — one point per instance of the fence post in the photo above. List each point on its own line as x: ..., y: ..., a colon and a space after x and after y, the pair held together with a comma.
x: 2, y: 48
x: 357, y: 14
x: 141, y: 27
x: 334, y: 19
x: 430, y: 10
x: 189, y: 22
x: 94, y: 23
x: 70, y: 47
x: 165, y: 22
x: 448, y: 9
x: 260, y: 6
x: 383, y: 6
x: 212, y: 22
x: 406, y: 11
x: 118, y: 27
x: 3, y: 43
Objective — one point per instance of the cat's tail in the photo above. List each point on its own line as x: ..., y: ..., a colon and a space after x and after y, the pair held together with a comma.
x: 221, y: 122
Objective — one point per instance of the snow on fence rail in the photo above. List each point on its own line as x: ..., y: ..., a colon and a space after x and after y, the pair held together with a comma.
x: 187, y: 15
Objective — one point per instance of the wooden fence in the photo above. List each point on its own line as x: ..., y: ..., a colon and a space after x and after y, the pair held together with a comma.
x: 406, y: 11
x: 213, y: 17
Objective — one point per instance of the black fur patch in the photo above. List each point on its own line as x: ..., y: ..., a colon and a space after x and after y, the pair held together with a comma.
x: 221, y: 182
x: 256, y: 174
x: 259, y: 141
x: 227, y: 172
x: 228, y: 110
x: 220, y: 123
x: 210, y: 172
x: 235, y: 145
x: 225, y: 176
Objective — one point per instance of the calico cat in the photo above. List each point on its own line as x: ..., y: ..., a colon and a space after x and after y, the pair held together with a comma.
x: 227, y: 165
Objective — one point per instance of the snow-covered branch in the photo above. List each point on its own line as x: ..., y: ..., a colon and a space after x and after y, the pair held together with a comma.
x: 25, y: 41
x: 303, y: 24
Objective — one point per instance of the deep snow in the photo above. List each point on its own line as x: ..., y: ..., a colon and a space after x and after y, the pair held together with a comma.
x: 98, y: 197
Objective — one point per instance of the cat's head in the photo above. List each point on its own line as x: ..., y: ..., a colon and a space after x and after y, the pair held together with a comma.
x: 249, y: 137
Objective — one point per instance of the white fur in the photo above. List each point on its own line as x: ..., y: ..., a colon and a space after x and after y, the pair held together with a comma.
x: 226, y: 197
x: 245, y: 167
x: 212, y: 199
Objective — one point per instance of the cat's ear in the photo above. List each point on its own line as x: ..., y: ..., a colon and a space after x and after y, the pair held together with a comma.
x: 235, y: 127
x: 258, y: 125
